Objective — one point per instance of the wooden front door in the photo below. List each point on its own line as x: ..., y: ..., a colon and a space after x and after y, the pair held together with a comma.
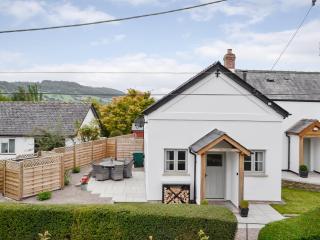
x: 215, y: 176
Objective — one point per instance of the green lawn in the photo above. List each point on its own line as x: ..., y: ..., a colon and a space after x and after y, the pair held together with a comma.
x: 297, y: 201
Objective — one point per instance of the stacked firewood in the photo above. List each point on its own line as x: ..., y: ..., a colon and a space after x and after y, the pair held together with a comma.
x: 174, y: 194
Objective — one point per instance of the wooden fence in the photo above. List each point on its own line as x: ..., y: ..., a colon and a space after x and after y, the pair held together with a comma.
x: 30, y: 176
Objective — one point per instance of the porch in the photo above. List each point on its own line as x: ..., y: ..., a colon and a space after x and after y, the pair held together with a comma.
x: 304, y: 145
x: 220, y: 167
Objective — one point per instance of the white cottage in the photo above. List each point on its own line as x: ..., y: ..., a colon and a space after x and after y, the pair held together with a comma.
x: 224, y: 134
x: 21, y: 122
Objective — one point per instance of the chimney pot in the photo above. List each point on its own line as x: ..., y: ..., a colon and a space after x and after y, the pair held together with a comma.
x: 230, y: 60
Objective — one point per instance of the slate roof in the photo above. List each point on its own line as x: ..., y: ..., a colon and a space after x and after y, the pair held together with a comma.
x: 284, y: 85
x: 211, y: 70
x: 301, y: 125
x: 207, y: 139
x: 24, y: 118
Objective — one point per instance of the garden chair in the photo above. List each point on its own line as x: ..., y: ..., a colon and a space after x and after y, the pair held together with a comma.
x: 127, y: 170
x: 94, y: 171
x: 102, y: 173
x: 117, y: 172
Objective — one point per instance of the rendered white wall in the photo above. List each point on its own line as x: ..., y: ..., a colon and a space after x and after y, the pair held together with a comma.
x: 185, y: 119
x: 23, y: 145
x: 294, y: 153
x: 299, y: 110
x: 315, y: 154
x: 232, y: 177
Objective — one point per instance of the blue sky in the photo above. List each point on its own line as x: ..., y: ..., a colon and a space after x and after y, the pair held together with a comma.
x: 186, y: 41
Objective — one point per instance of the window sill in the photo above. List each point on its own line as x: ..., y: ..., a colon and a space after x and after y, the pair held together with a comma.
x: 175, y: 174
x: 255, y: 175
x: 7, y: 154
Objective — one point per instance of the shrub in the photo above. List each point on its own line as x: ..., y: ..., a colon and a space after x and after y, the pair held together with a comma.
x: 76, y: 170
x: 244, y: 204
x: 115, y: 133
x: 303, y: 168
x: 303, y: 227
x: 44, y: 196
x: 117, y: 221
x: 66, y: 178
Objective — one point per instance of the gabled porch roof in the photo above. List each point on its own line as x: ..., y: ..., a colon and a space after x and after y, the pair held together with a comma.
x: 212, y: 139
x: 305, y: 127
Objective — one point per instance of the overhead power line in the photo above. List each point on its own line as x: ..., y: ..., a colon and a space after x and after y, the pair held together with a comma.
x: 113, y: 20
x: 164, y: 94
x: 293, y: 35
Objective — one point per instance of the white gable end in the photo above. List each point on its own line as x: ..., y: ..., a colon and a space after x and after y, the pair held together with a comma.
x: 216, y: 98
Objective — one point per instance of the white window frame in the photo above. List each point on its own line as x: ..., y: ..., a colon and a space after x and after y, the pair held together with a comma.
x: 7, y: 141
x: 175, y: 160
x: 253, y: 161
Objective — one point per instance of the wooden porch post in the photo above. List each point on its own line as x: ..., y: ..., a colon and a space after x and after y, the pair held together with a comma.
x: 241, y: 176
x: 203, y: 177
x: 301, y: 150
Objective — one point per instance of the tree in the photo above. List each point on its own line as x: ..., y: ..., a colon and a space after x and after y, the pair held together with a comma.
x: 47, y: 140
x: 122, y: 111
x: 89, y: 132
x: 31, y: 94
x: 4, y: 98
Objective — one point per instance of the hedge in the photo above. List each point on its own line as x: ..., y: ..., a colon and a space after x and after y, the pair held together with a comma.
x: 118, y: 221
x: 303, y: 227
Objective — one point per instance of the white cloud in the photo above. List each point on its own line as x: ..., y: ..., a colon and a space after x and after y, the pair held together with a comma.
x: 108, y: 40
x: 21, y: 10
x: 51, y: 12
x: 259, y: 50
x: 139, y: 62
x: 137, y: 2
x: 68, y: 13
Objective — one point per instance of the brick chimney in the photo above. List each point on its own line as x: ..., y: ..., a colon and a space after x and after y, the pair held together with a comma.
x: 230, y: 60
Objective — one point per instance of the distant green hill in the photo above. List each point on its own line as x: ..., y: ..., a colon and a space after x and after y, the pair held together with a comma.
x: 64, y: 87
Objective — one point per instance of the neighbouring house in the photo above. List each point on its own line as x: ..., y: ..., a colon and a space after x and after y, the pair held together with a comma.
x: 20, y: 123
x: 228, y: 133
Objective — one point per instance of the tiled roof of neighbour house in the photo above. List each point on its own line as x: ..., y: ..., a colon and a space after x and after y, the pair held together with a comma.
x: 211, y: 70
x: 206, y: 140
x: 27, y: 118
x: 284, y: 85
x: 301, y: 125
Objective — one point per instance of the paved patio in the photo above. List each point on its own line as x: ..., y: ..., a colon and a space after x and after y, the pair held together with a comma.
x: 313, y: 178
x: 127, y: 190
x: 259, y: 215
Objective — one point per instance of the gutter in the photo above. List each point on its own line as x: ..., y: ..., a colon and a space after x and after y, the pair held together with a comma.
x: 289, y: 144
x: 194, y: 176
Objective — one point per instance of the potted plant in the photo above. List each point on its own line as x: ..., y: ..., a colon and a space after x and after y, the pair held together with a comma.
x: 303, y: 171
x: 84, y: 181
x: 244, y: 208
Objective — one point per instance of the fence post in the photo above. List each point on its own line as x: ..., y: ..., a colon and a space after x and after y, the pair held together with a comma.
x: 92, y: 150
x: 74, y: 156
x: 62, y: 171
x: 4, y: 178
x: 21, y: 181
x: 116, y: 148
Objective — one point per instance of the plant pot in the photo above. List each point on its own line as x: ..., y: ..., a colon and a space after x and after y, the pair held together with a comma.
x: 244, y: 212
x: 303, y: 174
x: 84, y: 187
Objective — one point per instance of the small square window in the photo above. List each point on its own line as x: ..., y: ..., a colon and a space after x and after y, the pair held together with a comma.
x: 4, y: 148
x: 256, y: 162
x: 175, y: 160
